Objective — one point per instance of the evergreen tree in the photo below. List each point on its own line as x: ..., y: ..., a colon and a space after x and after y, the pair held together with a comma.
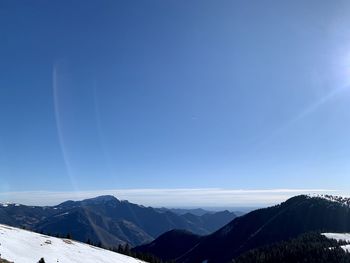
x: 127, y: 249
x: 120, y: 249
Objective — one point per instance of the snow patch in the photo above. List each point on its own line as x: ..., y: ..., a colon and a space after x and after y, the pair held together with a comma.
x: 339, y: 237
x: 345, y: 201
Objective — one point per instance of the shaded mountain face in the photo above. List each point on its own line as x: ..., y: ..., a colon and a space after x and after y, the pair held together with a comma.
x: 108, y: 220
x: 171, y: 244
x: 261, y: 227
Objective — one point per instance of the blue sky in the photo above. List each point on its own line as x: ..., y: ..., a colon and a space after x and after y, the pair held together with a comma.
x: 99, y: 95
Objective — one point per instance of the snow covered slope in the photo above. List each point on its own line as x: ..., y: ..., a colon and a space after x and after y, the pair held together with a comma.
x: 21, y: 246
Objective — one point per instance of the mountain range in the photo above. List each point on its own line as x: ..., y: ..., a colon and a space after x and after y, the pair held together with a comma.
x: 296, y: 216
x: 273, y: 234
x: 108, y: 221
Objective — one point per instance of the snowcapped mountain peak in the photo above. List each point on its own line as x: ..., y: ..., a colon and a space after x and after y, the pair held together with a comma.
x: 21, y: 246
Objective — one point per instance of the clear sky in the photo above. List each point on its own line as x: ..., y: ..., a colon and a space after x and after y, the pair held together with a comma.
x: 174, y: 94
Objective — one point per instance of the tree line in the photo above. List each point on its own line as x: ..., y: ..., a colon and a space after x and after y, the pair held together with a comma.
x: 308, y: 248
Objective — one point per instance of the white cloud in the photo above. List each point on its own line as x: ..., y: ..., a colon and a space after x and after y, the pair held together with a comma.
x: 182, y: 197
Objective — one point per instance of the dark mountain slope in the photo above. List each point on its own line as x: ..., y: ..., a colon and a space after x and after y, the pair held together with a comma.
x: 170, y: 244
x: 264, y: 226
x: 307, y: 248
x: 261, y: 227
x: 83, y: 224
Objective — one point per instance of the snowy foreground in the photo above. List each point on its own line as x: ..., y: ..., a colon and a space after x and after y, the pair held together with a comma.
x: 21, y: 246
x: 339, y: 237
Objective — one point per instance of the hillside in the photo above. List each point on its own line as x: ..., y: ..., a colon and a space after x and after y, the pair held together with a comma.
x: 307, y: 248
x: 340, y: 237
x: 261, y: 227
x: 20, y: 246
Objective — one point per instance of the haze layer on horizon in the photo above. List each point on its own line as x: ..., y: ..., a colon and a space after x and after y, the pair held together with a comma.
x: 179, y: 198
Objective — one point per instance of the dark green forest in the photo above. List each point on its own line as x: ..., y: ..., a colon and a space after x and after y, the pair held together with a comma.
x: 308, y: 248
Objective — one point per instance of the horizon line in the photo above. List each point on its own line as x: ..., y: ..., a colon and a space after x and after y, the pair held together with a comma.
x: 168, y: 197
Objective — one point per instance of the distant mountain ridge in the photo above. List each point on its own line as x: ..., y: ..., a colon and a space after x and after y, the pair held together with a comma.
x: 182, y: 211
x: 297, y: 215
x: 108, y: 221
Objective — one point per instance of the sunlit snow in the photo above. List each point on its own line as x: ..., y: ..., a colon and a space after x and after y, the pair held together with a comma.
x: 339, y: 237
x: 21, y: 246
